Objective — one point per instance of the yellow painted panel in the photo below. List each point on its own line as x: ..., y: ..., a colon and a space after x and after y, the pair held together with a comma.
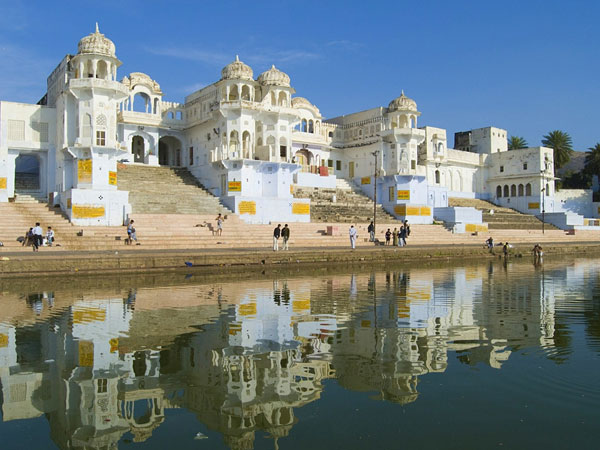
x: 234, y: 328
x: 301, y: 305
x: 86, y: 354
x: 247, y: 208
x: 300, y: 208
x: 68, y: 203
x: 248, y: 309
x: 365, y: 323
x: 291, y: 188
x: 400, y: 210
x: 89, y: 315
x: 112, y: 178
x: 598, y: 209
x: 114, y: 345
x: 413, y: 211
x: 234, y: 186
x: 87, y: 211
x: 84, y: 170
x: 3, y: 340
x: 403, y: 195
x: 365, y: 180
x: 535, y: 205
x: 419, y: 294
x: 425, y: 211
x: 2, y: 182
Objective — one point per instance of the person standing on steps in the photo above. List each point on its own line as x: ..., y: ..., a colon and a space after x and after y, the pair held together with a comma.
x: 371, y: 230
x: 49, y: 237
x: 353, y: 236
x: 276, y: 235
x: 388, y: 235
x: 395, y: 237
x: 219, y: 229
x: 37, y: 237
x: 285, y: 234
x: 406, y: 231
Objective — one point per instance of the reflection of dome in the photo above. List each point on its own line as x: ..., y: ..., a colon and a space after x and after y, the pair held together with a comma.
x: 97, y: 43
x: 237, y: 70
x: 402, y: 103
x: 274, y: 77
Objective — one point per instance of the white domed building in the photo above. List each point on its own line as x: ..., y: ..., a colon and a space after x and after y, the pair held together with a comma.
x: 249, y: 140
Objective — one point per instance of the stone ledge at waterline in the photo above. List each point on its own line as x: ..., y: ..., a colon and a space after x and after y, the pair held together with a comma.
x: 104, y: 262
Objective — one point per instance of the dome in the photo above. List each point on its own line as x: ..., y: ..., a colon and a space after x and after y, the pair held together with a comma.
x: 237, y: 70
x: 299, y: 101
x: 274, y: 77
x: 402, y: 103
x: 97, y: 43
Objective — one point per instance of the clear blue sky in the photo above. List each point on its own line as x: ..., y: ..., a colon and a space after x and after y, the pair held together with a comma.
x: 526, y: 66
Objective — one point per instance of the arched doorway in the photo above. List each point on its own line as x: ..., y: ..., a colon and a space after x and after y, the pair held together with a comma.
x: 138, y: 148
x: 169, y: 151
x: 27, y: 173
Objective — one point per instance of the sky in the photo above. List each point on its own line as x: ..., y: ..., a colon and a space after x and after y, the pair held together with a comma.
x: 528, y: 66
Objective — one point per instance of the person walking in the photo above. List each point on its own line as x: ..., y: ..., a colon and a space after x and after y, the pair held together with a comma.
x: 406, y: 231
x: 371, y: 230
x: 276, y: 235
x: 37, y: 237
x: 395, y: 237
x: 131, y: 234
x: 219, y: 229
x: 285, y: 234
x: 353, y: 236
x: 402, y: 236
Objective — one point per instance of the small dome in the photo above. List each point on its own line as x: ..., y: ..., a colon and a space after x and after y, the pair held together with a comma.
x: 274, y: 77
x: 237, y: 70
x: 298, y: 101
x: 402, y: 103
x: 96, y: 43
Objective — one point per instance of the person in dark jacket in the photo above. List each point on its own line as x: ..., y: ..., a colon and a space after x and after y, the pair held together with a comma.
x: 276, y: 236
x: 285, y: 234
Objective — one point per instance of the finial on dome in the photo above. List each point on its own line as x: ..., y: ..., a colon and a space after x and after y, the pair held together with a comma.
x: 97, y: 29
x: 401, y: 92
x: 237, y: 58
x: 272, y: 66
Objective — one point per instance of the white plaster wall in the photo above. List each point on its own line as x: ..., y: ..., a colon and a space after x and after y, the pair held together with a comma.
x: 458, y: 214
x: 268, y: 210
x: 115, y: 204
x: 579, y: 201
x: 314, y: 180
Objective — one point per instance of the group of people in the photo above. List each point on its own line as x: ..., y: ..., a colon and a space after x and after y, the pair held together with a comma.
x: 284, y: 233
x: 35, y: 238
x: 397, y: 237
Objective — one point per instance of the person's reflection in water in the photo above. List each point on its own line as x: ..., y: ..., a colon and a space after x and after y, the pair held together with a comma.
x: 353, y: 288
x: 129, y: 302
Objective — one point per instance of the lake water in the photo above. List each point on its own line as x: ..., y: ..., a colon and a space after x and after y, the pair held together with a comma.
x: 456, y: 357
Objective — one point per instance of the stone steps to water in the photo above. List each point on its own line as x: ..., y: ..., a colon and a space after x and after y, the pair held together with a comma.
x: 168, y: 190
x: 349, y: 206
x: 500, y: 218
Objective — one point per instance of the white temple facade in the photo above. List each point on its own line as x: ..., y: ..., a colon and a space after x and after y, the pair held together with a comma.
x: 249, y: 140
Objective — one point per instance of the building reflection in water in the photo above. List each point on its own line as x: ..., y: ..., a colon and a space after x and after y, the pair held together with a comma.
x: 243, y: 358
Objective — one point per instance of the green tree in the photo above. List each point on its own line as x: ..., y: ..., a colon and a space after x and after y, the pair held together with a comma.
x: 592, y: 161
x: 516, y: 142
x: 562, y: 145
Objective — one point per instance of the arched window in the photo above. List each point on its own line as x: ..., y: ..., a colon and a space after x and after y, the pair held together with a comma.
x: 440, y: 147
x: 330, y: 134
x: 233, y: 93
x: 273, y: 99
x: 311, y: 126
x: 506, y: 194
x: 528, y: 189
x: 245, y: 92
x: 283, y: 147
x: 520, y: 190
x: 259, y: 142
x: 547, y: 189
x: 498, y: 191
x: 233, y: 142
x: 102, y: 70
x: 513, y: 191
x: 304, y: 125
x: 271, y: 144
x: 437, y: 177
x: 246, y: 144
x: 282, y: 99
x: 87, y: 126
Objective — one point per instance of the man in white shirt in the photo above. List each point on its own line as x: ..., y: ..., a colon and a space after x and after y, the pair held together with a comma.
x: 37, y: 236
x: 353, y: 235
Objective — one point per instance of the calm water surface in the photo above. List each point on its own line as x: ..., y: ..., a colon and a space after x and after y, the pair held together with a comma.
x: 460, y: 357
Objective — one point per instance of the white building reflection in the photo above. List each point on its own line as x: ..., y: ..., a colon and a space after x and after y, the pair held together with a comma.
x: 243, y: 358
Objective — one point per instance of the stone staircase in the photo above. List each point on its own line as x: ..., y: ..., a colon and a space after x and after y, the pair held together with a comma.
x: 501, y: 218
x: 345, y: 204
x: 166, y: 190
x: 24, y: 196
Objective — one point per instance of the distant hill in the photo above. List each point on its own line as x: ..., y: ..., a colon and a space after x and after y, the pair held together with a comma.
x: 575, y: 164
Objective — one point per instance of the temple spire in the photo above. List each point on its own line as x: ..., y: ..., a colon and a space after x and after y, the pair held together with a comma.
x: 97, y: 29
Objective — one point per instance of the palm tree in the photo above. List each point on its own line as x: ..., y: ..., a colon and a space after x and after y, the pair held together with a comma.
x: 562, y: 145
x: 516, y: 142
x: 592, y: 160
